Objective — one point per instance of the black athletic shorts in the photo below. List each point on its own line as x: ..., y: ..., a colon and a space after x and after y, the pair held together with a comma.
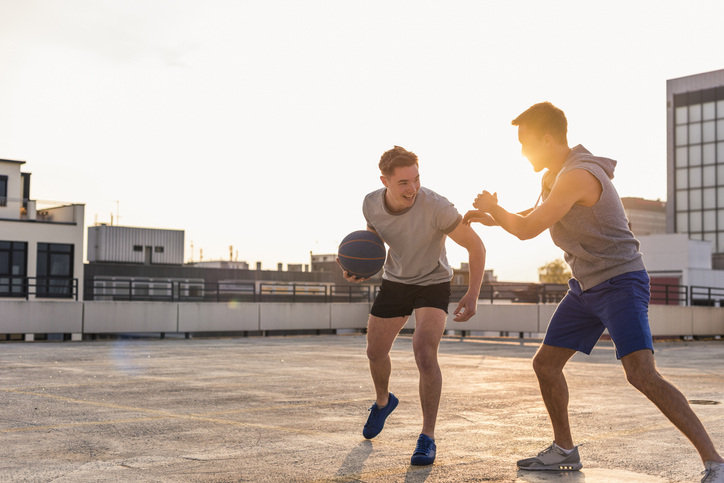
x: 400, y: 299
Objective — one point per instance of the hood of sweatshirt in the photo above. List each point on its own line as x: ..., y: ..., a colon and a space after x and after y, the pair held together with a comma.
x: 580, y: 155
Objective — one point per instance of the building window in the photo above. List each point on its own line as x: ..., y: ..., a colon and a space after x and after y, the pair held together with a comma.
x: 55, y: 270
x: 13, y: 266
x: 158, y: 249
x: 3, y: 190
x: 699, y: 165
x: 137, y: 248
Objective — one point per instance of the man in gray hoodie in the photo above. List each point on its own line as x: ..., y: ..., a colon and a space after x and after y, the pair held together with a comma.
x: 609, y: 289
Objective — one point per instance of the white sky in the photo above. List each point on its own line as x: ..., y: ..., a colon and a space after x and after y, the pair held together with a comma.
x: 259, y: 124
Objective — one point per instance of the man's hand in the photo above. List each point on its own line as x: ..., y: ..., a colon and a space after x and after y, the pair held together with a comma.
x: 475, y: 216
x: 467, y: 307
x: 348, y: 277
x: 485, y: 201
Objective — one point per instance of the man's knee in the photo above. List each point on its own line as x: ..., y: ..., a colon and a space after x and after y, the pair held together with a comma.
x: 543, y: 368
x: 640, y: 370
x: 644, y: 379
x: 426, y: 358
x: 549, y: 364
x: 376, y: 353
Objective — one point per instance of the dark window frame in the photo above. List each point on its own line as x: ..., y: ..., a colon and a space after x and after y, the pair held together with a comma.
x: 3, y: 190
x: 14, y: 285
x: 49, y: 285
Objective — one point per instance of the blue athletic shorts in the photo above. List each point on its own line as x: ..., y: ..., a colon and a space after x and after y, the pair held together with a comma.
x: 620, y: 304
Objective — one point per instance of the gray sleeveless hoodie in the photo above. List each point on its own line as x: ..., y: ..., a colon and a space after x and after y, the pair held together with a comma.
x: 597, y: 242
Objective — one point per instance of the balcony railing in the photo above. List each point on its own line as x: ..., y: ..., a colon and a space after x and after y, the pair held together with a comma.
x: 40, y: 287
x: 24, y: 209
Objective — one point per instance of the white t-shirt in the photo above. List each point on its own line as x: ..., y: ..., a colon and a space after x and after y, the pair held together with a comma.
x: 415, y: 237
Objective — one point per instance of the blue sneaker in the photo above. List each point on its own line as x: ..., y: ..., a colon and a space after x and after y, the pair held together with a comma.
x: 424, y: 451
x: 376, y: 419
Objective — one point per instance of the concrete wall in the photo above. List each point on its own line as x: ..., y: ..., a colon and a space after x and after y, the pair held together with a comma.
x: 221, y: 317
x: 98, y: 317
x: 40, y: 317
x: 490, y: 317
x: 117, y: 317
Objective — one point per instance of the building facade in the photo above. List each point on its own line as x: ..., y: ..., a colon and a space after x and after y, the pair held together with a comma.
x: 695, y: 159
x: 645, y: 217
x: 41, y: 242
x: 127, y: 244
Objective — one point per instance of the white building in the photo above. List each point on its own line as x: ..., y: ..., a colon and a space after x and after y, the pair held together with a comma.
x: 675, y: 259
x: 695, y: 159
x: 41, y: 242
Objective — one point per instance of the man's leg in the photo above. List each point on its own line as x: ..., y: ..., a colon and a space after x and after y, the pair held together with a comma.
x: 381, y: 334
x: 641, y: 372
x: 548, y: 364
x: 429, y: 327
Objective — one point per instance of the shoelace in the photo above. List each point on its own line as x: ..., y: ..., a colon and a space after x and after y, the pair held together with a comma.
x: 423, y: 446
x: 549, y: 449
x: 373, y: 409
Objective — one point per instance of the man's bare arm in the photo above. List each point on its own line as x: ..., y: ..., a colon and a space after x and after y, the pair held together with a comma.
x: 576, y: 186
x: 466, y: 237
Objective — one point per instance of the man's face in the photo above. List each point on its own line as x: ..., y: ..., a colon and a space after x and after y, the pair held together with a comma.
x: 402, y: 187
x: 534, y: 146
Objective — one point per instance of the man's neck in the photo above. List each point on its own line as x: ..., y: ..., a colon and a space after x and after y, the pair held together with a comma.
x: 558, y: 157
x: 389, y: 205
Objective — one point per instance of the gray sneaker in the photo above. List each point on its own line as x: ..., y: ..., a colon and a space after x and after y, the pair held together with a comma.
x: 714, y: 473
x: 553, y: 459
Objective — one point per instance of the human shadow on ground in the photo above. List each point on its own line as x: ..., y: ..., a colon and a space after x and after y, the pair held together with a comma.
x: 352, y: 465
x: 417, y: 474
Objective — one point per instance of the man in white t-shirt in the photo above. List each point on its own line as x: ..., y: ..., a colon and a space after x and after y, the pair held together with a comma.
x: 414, y: 222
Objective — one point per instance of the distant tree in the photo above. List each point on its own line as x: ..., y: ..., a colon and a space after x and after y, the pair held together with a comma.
x: 556, y: 271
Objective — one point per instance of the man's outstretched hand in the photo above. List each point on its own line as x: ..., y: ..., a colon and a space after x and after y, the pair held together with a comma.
x: 476, y: 216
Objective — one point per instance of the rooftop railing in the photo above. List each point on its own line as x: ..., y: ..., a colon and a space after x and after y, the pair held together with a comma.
x: 242, y: 291
x: 23, y: 209
x: 40, y: 287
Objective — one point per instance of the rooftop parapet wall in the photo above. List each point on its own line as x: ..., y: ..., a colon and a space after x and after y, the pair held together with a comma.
x: 152, y: 317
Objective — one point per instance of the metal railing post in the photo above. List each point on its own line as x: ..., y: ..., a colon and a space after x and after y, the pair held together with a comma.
x: 666, y: 294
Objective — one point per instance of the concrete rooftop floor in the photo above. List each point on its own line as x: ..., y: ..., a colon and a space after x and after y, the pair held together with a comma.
x: 291, y: 409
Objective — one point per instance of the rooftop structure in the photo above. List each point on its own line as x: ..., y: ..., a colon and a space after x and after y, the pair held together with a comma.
x: 41, y: 242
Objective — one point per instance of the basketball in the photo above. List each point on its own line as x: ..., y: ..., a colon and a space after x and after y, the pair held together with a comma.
x: 362, y: 253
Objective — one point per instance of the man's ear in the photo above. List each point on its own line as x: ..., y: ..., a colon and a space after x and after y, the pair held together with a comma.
x: 384, y: 180
x: 548, y: 139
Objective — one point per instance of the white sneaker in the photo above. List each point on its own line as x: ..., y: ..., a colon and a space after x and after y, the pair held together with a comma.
x: 714, y: 472
x: 553, y: 459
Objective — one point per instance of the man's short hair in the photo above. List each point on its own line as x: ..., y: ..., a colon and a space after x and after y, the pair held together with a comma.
x: 545, y: 118
x: 396, y: 157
